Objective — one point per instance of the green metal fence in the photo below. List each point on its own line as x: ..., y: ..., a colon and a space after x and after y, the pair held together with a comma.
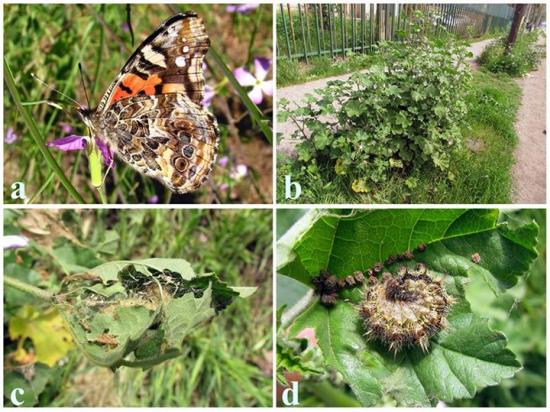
x: 306, y: 30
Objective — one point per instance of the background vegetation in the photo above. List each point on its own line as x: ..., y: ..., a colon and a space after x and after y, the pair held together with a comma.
x: 522, y: 58
x: 51, y: 40
x: 227, y: 362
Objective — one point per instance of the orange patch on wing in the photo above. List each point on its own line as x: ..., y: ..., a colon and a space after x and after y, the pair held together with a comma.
x: 130, y: 85
x: 173, y: 87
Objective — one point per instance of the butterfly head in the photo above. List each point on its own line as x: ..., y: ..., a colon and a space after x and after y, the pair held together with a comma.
x: 86, y: 115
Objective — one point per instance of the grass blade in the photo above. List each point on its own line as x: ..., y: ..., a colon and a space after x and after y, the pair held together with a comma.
x: 35, y: 134
x: 257, y: 116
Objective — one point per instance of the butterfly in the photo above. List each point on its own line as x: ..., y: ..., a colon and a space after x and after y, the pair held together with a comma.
x: 152, y: 115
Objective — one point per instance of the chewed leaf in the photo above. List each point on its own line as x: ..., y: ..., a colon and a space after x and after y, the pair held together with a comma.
x: 143, y: 307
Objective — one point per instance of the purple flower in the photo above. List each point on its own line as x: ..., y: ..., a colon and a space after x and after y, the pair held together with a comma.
x: 124, y: 26
x: 65, y: 127
x: 223, y: 161
x: 153, y: 199
x: 106, y: 151
x: 10, y: 136
x: 260, y: 86
x: 238, y: 172
x: 223, y: 187
x: 209, y: 94
x: 241, y: 8
x: 74, y: 142
x: 14, y: 242
x: 69, y: 143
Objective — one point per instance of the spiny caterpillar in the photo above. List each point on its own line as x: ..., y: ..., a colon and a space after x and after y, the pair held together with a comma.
x: 328, y: 286
x: 405, y: 310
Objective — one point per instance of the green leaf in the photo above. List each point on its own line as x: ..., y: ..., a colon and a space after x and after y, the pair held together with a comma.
x: 462, y: 359
x: 177, y: 326
x: 353, y: 108
x: 32, y: 381
x: 321, y: 140
x: 145, y: 307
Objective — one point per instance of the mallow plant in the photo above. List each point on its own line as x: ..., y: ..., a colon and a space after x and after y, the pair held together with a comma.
x: 403, y: 113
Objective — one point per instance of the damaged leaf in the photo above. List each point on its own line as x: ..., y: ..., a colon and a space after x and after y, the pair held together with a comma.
x: 126, y: 311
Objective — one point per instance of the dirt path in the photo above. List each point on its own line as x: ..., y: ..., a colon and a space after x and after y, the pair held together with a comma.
x: 529, y: 171
x: 296, y: 94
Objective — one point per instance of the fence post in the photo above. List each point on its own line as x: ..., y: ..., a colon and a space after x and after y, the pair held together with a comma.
x: 330, y: 30
x: 342, y: 30
x: 317, y: 27
x: 371, y: 25
x: 352, y: 15
x: 308, y: 31
x: 286, y: 32
x: 363, y: 17
x: 321, y: 24
x: 291, y: 23
x: 303, y: 31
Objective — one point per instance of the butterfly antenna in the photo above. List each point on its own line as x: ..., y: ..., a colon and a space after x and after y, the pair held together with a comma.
x: 54, y: 89
x: 83, y: 84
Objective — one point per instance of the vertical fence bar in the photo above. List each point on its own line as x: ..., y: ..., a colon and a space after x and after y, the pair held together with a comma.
x: 303, y: 31
x: 387, y: 22
x: 317, y: 30
x: 308, y: 30
x: 291, y: 24
x: 330, y: 30
x: 342, y: 29
x: 286, y: 32
x: 363, y: 17
x: 398, y: 17
x: 320, y: 12
x: 371, y: 25
x: 353, y: 28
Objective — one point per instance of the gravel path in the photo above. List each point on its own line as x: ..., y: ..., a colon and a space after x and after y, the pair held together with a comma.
x: 529, y: 171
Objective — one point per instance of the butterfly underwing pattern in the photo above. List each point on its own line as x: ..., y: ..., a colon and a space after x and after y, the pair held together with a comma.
x: 152, y: 115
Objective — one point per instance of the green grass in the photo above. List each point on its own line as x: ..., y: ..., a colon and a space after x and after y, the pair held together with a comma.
x: 51, y: 40
x: 226, y: 362
x: 482, y: 176
x: 525, y: 55
x: 294, y: 71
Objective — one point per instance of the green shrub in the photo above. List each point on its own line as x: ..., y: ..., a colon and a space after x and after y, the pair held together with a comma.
x: 399, y: 115
x: 522, y: 58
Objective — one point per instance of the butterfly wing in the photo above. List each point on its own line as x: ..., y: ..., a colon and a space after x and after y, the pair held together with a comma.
x: 168, y: 61
x: 166, y: 137
x: 152, y: 114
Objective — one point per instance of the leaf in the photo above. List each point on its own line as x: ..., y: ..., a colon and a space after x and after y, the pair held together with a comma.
x: 183, y: 314
x: 73, y: 259
x: 360, y: 186
x: 321, y: 140
x: 145, y: 307
x: 47, y: 331
x: 339, y: 168
x: 353, y: 108
x: 32, y: 379
x: 463, y: 359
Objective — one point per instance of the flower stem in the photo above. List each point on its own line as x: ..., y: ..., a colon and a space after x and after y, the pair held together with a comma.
x: 26, y: 288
